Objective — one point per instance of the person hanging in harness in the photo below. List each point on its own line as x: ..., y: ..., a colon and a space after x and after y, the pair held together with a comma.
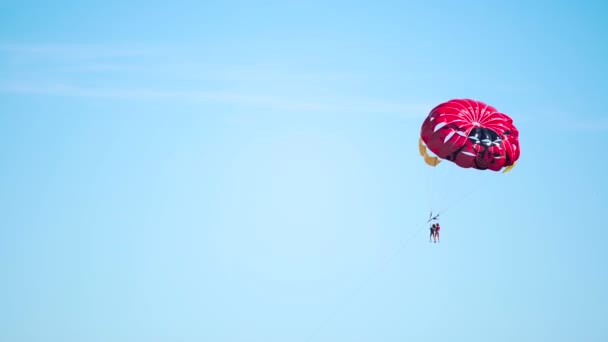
x: 433, y: 230
x: 437, y: 229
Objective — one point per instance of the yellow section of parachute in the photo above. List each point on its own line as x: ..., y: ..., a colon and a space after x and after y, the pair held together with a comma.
x: 508, y: 168
x: 433, y: 161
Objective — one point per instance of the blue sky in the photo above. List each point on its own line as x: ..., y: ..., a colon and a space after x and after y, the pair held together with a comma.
x: 249, y: 171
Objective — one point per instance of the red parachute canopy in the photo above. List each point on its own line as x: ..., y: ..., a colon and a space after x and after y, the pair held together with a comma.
x: 471, y: 134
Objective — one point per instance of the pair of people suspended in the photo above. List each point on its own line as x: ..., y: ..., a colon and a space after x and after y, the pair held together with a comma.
x: 435, y: 228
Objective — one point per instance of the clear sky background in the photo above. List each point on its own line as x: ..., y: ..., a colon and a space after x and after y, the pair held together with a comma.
x: 249, y: 171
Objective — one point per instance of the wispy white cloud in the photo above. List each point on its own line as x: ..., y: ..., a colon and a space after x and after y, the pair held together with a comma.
x: 570, y: 121
x: 95, y: 68
x: 124, y: 72
x: 154, y: 61
x: 73, y: 52
x: 283, y: 102
x: 589, y: 124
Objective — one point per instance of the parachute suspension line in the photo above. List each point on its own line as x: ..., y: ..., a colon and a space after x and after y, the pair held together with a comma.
x: 371, y: 275
x: 464, y: 199
x: 431, y: 161
x: 431, y: 191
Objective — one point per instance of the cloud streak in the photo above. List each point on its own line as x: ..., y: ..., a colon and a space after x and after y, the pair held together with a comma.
x: 170, y: 62
x: 282, y: 102
x: 126, y: 73
x: 568, y: 121
x: 589, y: 124
x: 75, y: 52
